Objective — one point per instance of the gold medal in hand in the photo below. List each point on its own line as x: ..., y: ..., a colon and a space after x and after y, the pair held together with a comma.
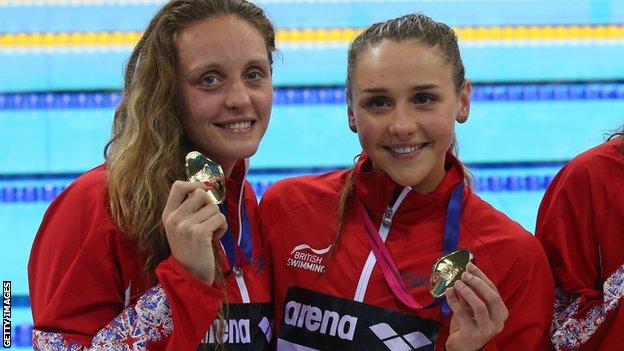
x: 200, y: 168
x: 447, y: 270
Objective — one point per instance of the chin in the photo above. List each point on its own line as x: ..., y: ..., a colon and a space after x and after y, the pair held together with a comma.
x: 409, y: 177
x: 243, y: 152
x: 405, y: 179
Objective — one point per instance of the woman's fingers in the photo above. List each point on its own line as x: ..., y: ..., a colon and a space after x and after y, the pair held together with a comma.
x: 479, y: 308
x: 479, y: 312
x: 192, y: 222
x: 489, y: 295
x: 214, y: 225
x: 206, y: 222
x: 473, y: 269
x: 186, y: 221
x: 179, y: 193
x: 487, y: 305
x: 208, y: 218
x: 206, y: 211
x: 459, y: 310
x: 186, y: 212
x: 194, y: 202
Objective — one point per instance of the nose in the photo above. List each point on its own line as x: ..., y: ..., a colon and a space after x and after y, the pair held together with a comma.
x: 403, y: 123
x: 237, y: 95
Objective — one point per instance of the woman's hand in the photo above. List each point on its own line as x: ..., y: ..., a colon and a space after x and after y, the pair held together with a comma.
x: 191, y: 222
x: 479, y: 312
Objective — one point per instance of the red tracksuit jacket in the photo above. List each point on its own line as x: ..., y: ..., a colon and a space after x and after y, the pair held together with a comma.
x: 88, y: 289
x: 302, y: 212
x: 580, y: 224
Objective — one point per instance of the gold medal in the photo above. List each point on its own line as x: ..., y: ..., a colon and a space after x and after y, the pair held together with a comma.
x: 447, y: 270
x: 200, y: 168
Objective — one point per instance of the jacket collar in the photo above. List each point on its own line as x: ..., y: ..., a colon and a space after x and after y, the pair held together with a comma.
x: 377, y: 190
x: 235, y: 183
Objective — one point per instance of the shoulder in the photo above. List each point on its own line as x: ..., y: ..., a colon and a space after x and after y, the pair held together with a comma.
x: 498, y: 233
x: 595, y: 164
x: 297, y: 191
x: 587, y: 189
x: 90, y: 185
x: 289, y: 194
x: 595, y: 174
x: 479, y: 216
x: 598, y: 154
x: 77, y: 223
x: 83, y: 204
x: 501, y: 245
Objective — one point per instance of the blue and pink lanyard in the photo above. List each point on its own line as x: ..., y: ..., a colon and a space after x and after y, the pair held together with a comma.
x: 237, y: 255
x: 387, y: 265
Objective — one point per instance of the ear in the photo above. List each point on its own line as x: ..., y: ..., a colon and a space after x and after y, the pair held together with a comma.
x: 351, y: 117
x: 464, y: 102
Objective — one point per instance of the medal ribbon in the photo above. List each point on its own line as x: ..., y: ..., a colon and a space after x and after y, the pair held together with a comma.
x: 387, y: 265
x: 237, y: 254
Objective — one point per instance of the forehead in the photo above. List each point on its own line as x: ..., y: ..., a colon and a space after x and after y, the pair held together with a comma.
x: 392, y: 63
x: 219, y: 40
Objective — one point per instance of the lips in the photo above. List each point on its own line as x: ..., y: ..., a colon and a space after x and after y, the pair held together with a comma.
x: 406, y: 150
x: 236, y: 126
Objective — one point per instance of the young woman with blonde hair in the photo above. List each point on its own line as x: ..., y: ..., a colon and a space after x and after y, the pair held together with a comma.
x: 128, y: 257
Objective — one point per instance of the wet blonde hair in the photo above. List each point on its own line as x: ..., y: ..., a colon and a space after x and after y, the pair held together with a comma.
x: 146, y: 152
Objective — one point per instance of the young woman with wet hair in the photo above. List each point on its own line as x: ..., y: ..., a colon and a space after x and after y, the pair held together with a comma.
x: 128, y: 257
x: 352, y: 250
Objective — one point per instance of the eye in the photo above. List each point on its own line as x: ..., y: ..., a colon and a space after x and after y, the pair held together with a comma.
x: 378, y: 102
x: 423, y: 99
x: 253, y: 75
x: 210, y: 80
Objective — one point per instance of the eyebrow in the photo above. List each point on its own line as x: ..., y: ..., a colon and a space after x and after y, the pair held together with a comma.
x: 203, y: 66
x: 420, y: 87
x: 207, y: 66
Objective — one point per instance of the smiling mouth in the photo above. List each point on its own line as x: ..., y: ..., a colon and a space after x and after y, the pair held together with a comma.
x: 237, y: 127
x: 403, y: 150
x: 406, y: 151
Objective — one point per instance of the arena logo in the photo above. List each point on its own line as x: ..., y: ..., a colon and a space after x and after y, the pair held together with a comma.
x: 393, y: 341
x: 235, y: 331
x: 303, y: 256
x: 315, y: 319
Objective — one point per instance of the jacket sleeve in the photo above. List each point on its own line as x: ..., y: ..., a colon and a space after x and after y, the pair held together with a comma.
x: 527, y: 288
x: 79, y: 293
x: 586, y: 306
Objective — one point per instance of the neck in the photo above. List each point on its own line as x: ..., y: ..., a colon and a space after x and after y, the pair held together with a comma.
x: 428, y: 185
x: 228, y: 168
